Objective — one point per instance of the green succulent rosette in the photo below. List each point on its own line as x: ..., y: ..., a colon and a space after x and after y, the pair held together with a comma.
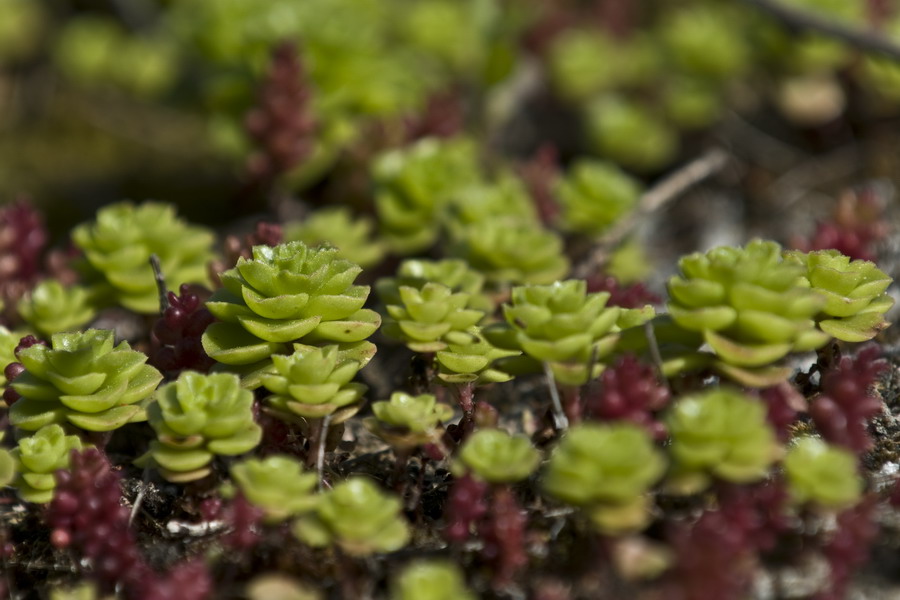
x: 497, y: 457
x: 504, y: 198
x: 752, y: 307
x: 470, y: 358
x: 84, y: 379
x: 415, y: 184
x: 630, y: 134
x: 196, y: 418
x: 338, y: 227
x: 511, y: 252
x: 37, y: 458
x: 431, y: 580
x: 357, y: 517
x: 563, y: 326
x: 277, y: 484
x: 723, y: 433
x: 407, y: 421
x: 585, y: 61
x: 594, y: 194
x: 452, y: 273
x: 701, y: 41
x: 117, y: 248
x: 52, y: 308
x: 289, y: 293
x: 606, y: 470
x: 854, y: 290
x: 822, y: 474
x: 313, y: 383
x: 425, y: 315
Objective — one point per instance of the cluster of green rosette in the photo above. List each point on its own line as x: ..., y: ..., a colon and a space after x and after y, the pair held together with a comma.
x: 84, y: 379
x: 286, y: 294
x: 755, y: 305
x: 292, y: 334
x: 117, y: 247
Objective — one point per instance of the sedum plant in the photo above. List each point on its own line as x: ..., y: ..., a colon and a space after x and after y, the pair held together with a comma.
x: 52, y: 308
x: 84, y: 379
x: 497, y: 457
x: 117, y: 248
x: 720, y: 432
x: 338, y: 227
x: 564, y: 326
x: 452, y: 273
x: 469, y: 358
x: 196, y: 418
x: 357, y: 517
x: 37, y: 458
x: 606, y: 470
x: 289, y: 293
x: 415, y: 184
x: 430, y: 580
x: 407, y: 421
x: 313, y: 383
x: 822, y: 474
x: 630, y: 134
x: 277, y: 484
x: 752, y: 307
x: 854, y: 290
x: 594, y: 195
x: 511, y: 252
x: 423, y: 316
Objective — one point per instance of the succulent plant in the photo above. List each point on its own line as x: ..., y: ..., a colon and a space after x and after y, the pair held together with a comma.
x: 84, y: 379
x: 338, y: 227
x: 430, y: 580
x: 564, y: 326
x: 407, y: 421
x: 506, y: 198
x: 313, y: 383
x: 37, y: 459
x: 692, y: 103
x: 277, y: 484
x: 854, y: 291
x: 415, y: 184
x: 453, y: 273
x: 701, y: 41
x: 425, y: 315
x: 356, y: 516
x: 512, y: 252
x: 497, y: 457
x: 117, y: 248
x: 594, y: 195
x: 52, y: 308
x: 751, y: 306
x: 289, y: 293
x: 720, y: 432
x: 822, y: 474
x: 606, y: 470
x: 630, y: 134
x: 196, y: 418
x: 469, y: 358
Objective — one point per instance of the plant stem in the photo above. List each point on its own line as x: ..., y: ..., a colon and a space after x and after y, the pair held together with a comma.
x: 560, y: 421
x: 320, y: 447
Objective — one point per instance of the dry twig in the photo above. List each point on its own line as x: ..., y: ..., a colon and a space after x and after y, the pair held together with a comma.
x: 653, y: 200
x: 805, y: 20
